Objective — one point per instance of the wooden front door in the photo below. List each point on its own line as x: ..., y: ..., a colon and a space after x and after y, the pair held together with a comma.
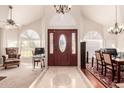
x: 62, y: 47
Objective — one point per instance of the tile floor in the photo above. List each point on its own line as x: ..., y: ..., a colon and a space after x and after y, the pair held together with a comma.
x: 62, y: 77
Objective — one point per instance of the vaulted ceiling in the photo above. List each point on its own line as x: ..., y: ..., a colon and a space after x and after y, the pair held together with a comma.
x: 22, y: 14
x: 26, y: 14
x: 103, y: 14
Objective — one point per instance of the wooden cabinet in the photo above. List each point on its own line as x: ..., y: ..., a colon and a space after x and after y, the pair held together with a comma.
x: 83, y: 54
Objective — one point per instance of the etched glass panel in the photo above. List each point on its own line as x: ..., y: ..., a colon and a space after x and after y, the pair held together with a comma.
x: 73, y: 43
x: 51, y: 43
x: 62, y: 43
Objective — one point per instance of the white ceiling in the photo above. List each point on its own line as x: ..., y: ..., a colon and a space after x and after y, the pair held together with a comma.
x: 3, y: 13
x: 22, y: 14
x: 103, y: 14
x: 26, y: 14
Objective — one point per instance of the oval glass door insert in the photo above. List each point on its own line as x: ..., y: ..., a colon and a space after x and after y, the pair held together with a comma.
x: 62, y: 43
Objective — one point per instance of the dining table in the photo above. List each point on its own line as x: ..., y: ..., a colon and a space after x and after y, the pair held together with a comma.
x: 119, y: 62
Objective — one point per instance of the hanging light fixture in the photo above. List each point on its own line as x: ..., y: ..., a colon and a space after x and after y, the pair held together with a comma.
x: 117, y: 29
x: 10, y: 23
x: 62, y: 8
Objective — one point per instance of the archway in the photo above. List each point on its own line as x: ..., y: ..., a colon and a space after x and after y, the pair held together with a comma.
x: 93, y: 41
x: 29, y: 39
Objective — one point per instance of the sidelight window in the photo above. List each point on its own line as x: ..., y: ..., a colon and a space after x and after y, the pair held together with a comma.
x: 73, y: 43
x: 51, y: 43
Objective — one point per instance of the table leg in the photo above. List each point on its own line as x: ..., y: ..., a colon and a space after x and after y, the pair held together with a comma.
x: 44, y: 63
x: 118, y: 73
x: 41, y: 63
x: 92, y: 61
x: 34, y: 65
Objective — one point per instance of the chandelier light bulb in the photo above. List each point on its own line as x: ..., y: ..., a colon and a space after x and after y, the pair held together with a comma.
x: 62, y: 9
x: 117, y: 29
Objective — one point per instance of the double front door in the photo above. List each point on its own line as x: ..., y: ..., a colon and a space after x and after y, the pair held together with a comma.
x: 62, y: 47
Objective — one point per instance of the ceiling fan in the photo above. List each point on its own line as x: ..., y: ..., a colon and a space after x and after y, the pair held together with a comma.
x: 10, y: 24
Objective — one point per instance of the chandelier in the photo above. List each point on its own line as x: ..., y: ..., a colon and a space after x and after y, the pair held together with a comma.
x: 117, y: 29
x: 10, y: 23
x: 62, y: 8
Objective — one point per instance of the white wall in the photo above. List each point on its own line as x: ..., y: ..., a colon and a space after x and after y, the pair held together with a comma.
x: 60, y: 20
x: 110, y: 40
x: 0, y: 44
x: 9, y: 37
x: 89, y: 25
x: 35, y: 26
x: 120, y: 43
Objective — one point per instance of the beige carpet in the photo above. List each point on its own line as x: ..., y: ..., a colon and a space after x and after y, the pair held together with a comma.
x: 19, y: 77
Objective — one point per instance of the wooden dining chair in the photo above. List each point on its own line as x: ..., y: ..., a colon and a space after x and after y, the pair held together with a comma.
x: 109, y: 64
x: 99, y: 60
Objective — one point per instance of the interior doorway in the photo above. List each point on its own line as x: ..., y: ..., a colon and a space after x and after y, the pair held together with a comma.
x: 62, y: 47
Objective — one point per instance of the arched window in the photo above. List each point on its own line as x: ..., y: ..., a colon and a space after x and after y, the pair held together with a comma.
x: 93, y: 42
x: 29, y: 39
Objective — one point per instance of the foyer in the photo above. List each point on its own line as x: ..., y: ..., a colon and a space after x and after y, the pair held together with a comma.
x: 43, y: 47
